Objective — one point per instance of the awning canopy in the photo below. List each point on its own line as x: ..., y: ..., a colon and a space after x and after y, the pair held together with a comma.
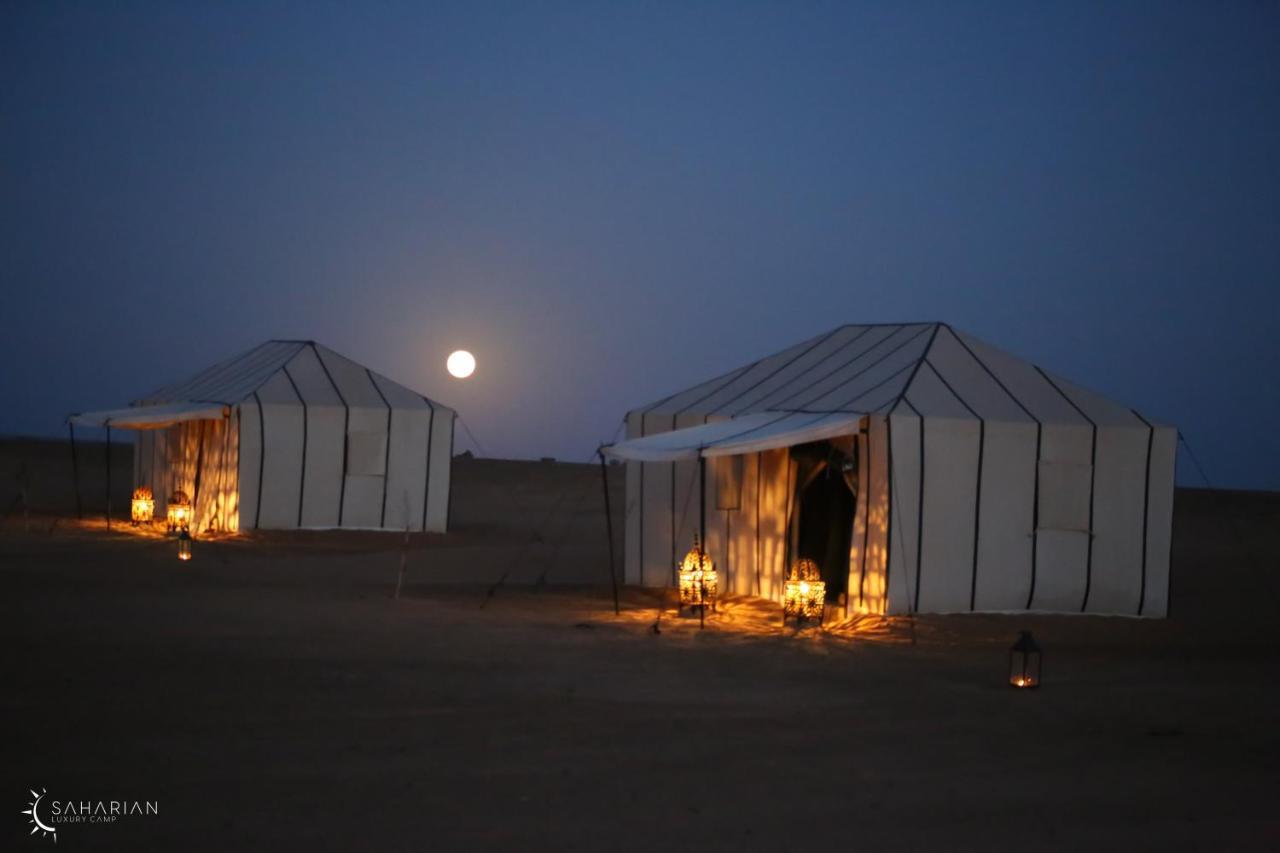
x: 152, y: 417
x: 746, y: 434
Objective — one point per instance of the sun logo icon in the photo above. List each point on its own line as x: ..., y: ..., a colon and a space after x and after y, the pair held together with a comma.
x: 40, y: 826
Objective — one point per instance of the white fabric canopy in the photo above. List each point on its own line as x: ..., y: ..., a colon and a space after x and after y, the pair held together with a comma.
x: 152, y: 417
x: 747, y: 434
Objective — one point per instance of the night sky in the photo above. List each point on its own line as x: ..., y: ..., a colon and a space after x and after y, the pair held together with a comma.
x: 607, y: 202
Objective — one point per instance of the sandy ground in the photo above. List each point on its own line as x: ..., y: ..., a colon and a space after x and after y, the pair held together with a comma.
x: 271, y: 694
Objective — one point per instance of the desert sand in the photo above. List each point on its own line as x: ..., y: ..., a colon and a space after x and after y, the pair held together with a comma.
x: 272, y: 694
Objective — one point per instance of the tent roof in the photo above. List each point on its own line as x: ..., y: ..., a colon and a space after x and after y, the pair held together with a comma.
x: 913, y: 369
x: 285, y: 372
x: 276, y: 373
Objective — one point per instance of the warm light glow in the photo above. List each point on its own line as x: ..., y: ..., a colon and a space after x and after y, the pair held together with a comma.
x: 143, y: 508
x: 179, y: 512
x: 699, y: 583
x: 184, y: 545
x: 804, y: 595
x: 461, y: 364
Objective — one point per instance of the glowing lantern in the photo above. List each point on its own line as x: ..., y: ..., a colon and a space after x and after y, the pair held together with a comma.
x: 184, y: 545
x: 143, y: 507
x: 179, y: 512
x: 699, y: 583
x: 1024, y: 662
x: 804, y: 595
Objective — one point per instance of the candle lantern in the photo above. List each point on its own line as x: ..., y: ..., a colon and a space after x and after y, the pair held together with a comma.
x: 179, y: 512
x: 804, y: 595
x: 184, y: 545
x: 143, y: 508
x: 1024, y: 662
x: 699, y: 583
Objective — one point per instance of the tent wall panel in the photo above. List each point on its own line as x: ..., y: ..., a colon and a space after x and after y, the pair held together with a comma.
x: 362, y: 500
x: 878, y: 592
x: 250, y: 452
x: 944, y: 574
x: 775, y: 467
x: 1164, y: 447
x: 1007, y: 517
x: 1116, y: 579
x: 407, y: 469
x: 281, y: 466
x: 322, y: 499
x: 1061, y: 557
x: 442, y: 438
x: 901, y: 523
x: 741, y: 529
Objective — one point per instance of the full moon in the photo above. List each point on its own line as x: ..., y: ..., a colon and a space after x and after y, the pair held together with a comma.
x: 461, y: 364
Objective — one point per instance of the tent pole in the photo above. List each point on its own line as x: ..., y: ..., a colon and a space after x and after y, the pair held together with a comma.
x: 108, y: 475
x: 702, y: 530
x: 75, y: 469
x: 608, y: 526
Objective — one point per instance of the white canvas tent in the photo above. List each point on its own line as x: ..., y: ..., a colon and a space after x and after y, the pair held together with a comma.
x: 975, y: 480
x: 293, y: 435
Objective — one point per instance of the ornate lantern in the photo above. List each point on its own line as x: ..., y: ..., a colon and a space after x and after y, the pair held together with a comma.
x: 699, y: 583
x: 184, y: 545
x: 179, y: 512
x: 804, y: 595
x: 143, y: 508
x: 1024, y: 662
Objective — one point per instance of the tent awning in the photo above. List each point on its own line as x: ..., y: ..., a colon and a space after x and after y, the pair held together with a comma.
x: 152, y: 417
x: 746, y: 434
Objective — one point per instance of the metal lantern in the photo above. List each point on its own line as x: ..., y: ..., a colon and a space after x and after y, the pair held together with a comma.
x: 804, y: 595
x: 699, y: 583
x: 143, y: 508
x: 1024, y: 662
x: 179, y: 512
x: 184, y: 545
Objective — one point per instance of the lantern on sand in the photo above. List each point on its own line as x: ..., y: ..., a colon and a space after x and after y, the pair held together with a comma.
x: 1024, y: 662
x: 804, y: 595
x: 178, y: 514
x: 143, y: 508
x: 699, y: 583
x: 184, y: 545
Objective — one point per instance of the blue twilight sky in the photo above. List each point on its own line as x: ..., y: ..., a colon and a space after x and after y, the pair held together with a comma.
x: 607, y: 202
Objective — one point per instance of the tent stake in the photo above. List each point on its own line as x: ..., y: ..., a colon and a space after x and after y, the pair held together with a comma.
x: 608, y: 526
x: 75, y: 469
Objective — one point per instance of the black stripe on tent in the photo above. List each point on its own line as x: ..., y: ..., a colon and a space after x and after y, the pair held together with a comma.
x: 1093, y: 465
x: 1146, y: 505
x: 448, y: 504
x: 919, y: 507
x: 977, y: 500
x: 426, y: 489
x: 262, y: 456
x: 195, y: 488
x: 865, y: 462
x: 302, y: 483
x: 386, y: 459
x: 817, y: 343
x: 346, y: 428
x: 847, y: 406
x: 1035, y: 513
x: 906, y: 386
x: 778, y: 403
